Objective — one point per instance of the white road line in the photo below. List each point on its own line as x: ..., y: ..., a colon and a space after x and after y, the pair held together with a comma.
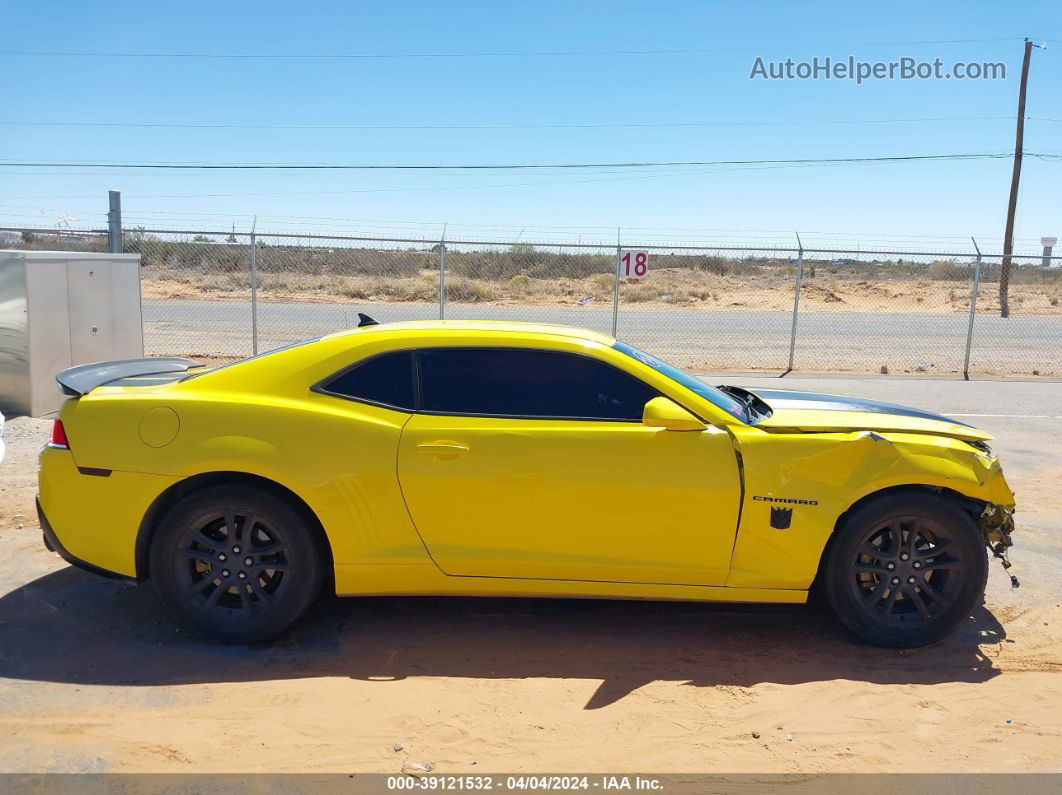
x: 1013, y: 416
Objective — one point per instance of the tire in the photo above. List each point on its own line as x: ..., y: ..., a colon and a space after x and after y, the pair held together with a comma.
x: 226, y: 584
x: 906, y: 570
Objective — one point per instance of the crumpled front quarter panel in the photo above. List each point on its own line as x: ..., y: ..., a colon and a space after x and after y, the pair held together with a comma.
x: 818, y: 476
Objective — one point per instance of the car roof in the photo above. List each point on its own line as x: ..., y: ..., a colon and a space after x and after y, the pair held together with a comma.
x: 485, y: 326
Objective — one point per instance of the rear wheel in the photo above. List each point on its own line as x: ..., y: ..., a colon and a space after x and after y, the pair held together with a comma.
x: 236, y: 564
x: 906, y: 570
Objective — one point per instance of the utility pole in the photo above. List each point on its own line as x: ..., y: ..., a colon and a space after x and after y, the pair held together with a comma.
x: 114, y: 222
x: 1012, y: 204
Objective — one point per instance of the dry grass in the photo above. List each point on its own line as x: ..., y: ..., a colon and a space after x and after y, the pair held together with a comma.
x: 770, y: 290
x: 534, y: 276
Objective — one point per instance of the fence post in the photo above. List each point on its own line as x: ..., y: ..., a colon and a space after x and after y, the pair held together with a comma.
x: 615, y: 287
x: 254, y: 295
x: 114, y: 221
x: 442, y: 275
x: 796, y: 305
x: 973, y: 311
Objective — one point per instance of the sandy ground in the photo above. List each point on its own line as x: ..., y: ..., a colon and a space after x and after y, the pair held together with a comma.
x: 665, y: 287
x: 94, y: 677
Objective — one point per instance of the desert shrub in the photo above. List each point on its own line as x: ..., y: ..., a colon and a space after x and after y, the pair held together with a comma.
x: 603, y: 281
x: 1032, y: 274
x: 640, y: 293
x: 947, y: 270
x: 717, y: 266
x: 60, y: 241
x: 278, y: 283
x: 222, y: 282
x: 746, y: 267
x: 469, y: 290
x: 422, y: 289
x: 358, y: 289
x: 536, y: 264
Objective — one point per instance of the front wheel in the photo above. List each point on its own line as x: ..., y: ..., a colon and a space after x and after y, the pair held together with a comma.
x: 906, y: 570
x: 236, y: 564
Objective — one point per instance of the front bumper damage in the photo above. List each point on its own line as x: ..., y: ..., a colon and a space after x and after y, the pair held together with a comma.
x: 997, y: 523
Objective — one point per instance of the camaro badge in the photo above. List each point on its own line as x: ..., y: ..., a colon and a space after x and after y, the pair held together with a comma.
x: 781, y: 517
x: 787, y: 500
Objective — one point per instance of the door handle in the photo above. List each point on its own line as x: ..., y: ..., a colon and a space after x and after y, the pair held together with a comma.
x: 442, y: 449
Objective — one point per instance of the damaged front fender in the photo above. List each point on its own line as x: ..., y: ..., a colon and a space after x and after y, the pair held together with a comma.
x: 997, y: 523
x: 822, y: 475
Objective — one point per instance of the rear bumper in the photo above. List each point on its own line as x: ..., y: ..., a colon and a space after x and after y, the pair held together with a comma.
x: 52, y: 542
x: 93, y: 521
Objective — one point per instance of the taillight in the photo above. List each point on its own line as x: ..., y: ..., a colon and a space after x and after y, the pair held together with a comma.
x: 59, y: 436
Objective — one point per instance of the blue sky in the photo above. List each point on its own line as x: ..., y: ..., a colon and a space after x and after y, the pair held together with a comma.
x: 880, y: 203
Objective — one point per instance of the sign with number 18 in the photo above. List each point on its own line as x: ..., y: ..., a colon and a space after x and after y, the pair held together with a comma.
x: 633, y: 264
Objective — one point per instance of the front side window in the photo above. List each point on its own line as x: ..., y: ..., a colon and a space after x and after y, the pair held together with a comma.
x: 514, y: 382
x: 385, y: 380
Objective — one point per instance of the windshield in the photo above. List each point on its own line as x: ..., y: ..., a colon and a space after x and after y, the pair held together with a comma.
x: 695, y: 385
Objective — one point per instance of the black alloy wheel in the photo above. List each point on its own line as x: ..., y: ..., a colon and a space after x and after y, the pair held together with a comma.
x: 906, y: 568
x: 907, y: 571
x: 236, y: 563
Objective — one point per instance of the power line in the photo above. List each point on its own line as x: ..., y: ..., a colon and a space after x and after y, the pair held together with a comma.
x: 548, y: 183
x: 589, y: 126
x: 512, y: 54
x: 494, y: 166
x: 1043, y: 156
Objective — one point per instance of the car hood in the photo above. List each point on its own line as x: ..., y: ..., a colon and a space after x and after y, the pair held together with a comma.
x: 804, y: 411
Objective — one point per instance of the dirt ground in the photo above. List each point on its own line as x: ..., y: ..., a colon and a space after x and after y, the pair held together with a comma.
x: 94, y: 677
x: 665, y: 287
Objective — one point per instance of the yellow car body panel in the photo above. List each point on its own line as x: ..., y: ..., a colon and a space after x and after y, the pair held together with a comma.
x: 572, y: 500
x: 817, y: 421
x: 428, y: 580
x: 830, y: 472
x: 532, y: 507
x: 100, y: 515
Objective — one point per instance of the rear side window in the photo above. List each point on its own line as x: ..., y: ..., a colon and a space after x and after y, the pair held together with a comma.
x: 386, y: 380
x: 528, y: 383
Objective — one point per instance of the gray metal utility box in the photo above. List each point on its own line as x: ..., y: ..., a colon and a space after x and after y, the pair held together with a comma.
x: 58, y: 309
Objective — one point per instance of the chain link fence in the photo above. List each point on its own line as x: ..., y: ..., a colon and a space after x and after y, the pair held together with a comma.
x: 220, y: 295
x: 889, y: 312
x: 1029, y: 340
x: 569, y: 285
x: 711, y: 309
x: 195, y: 294
x: 307, y: 288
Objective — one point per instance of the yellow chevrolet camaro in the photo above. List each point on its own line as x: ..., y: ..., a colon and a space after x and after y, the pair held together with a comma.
x: 507, y: 459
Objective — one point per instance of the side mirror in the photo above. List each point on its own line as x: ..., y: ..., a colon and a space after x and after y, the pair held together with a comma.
x: 661, y: 412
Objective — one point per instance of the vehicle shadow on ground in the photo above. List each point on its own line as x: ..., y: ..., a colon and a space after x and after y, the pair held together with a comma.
x: 74, y: 627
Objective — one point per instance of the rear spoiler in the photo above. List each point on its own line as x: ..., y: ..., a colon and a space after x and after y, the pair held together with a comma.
x: 80, y: 380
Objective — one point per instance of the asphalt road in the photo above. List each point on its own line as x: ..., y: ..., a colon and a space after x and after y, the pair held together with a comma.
x: 735, y: 340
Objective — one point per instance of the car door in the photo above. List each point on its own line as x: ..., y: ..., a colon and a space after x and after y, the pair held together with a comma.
x: 534, y: 463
